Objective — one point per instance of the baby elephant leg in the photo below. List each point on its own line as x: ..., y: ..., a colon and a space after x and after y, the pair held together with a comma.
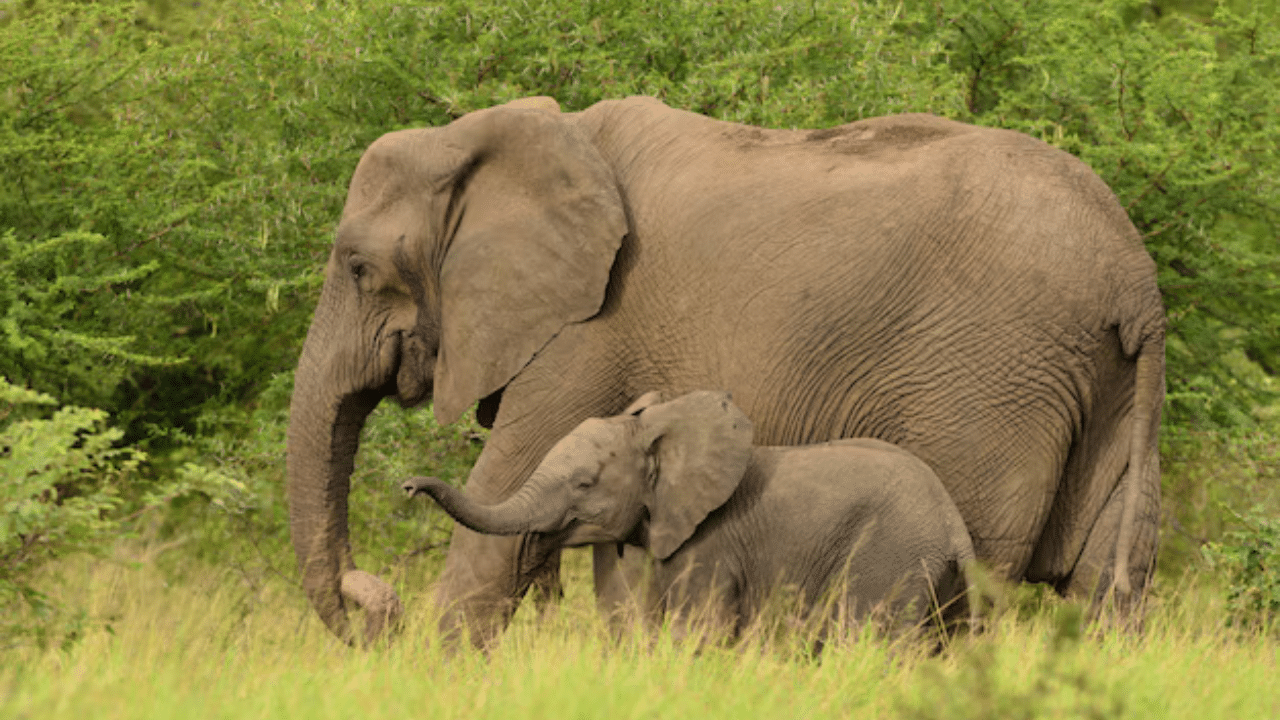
x: 623, y: 577
x: 701, y: 602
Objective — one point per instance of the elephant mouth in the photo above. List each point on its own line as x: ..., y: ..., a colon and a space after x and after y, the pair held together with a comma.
x: 487, y: 410
x: 413, y: 371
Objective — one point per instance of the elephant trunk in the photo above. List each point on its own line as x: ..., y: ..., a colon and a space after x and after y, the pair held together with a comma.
x: 324, y: 433
x: 535, y: 508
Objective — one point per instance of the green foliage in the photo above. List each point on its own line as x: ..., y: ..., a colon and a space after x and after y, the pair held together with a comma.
x: 164, y: 158
x: 65, y: 279
x: 1250, y: 559
x: 190, y: 159
x: 1178, y: 119
x: 50, y: 330
x: 59, y: 484
x: 63, y: 486
x: 1204, y: 475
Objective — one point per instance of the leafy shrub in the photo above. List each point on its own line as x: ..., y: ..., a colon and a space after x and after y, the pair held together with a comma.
x: 51, y: 333
x: 1204, y: 475
x: 208, y: 145
x: 63, y: 486
x: 184, y: 191
x: 59, y: 485
x: 1249, y: 557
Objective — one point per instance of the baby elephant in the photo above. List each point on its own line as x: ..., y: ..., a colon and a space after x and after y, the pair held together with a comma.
x: 861, y: 522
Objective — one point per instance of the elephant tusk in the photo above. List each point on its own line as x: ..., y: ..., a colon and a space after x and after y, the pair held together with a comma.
x: 381, y: 605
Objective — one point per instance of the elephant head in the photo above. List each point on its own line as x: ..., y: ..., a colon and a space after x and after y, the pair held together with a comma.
x: 461, y: 251
x: 666, y: 465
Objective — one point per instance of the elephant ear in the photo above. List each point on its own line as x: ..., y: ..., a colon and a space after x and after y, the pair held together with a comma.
x: 538, y: 223
x: 702, y: 442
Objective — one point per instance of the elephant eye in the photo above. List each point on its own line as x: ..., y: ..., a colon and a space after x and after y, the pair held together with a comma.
x: 358, y: 269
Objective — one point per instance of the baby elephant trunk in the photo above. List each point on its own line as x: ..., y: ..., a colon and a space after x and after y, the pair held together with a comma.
x: 531, y: 509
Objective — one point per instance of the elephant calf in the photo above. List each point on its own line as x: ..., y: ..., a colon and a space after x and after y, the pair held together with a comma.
x: 728, y: 524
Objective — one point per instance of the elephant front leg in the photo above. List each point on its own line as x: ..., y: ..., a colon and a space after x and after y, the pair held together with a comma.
x: 624, y: 587
x: 485, y: 577
x: 545, y: 583
x: 703, y: 603
x: 479, y: 589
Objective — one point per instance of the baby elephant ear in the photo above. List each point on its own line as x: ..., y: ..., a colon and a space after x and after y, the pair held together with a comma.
x: 703, y: 445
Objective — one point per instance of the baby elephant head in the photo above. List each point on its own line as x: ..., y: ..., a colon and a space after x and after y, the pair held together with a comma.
x: 670, y: 462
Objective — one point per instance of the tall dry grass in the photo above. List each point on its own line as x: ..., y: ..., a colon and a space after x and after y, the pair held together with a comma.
x: 214, y: 644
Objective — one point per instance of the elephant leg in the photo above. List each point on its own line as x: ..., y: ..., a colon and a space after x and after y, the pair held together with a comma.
x: 623, y: 587
x: 486, y: 576
x: 1091, y: 579
x: 546, y: 587
x: 702, y: 601
x: 483, y: 564
x: 479, y: 589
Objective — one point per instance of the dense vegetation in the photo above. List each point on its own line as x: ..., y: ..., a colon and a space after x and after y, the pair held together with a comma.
x: 173, y: 172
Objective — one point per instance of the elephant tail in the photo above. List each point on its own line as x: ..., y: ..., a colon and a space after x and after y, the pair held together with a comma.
x: 1146, y: 395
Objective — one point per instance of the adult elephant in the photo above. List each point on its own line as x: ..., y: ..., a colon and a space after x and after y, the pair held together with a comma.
x: 973, y: 295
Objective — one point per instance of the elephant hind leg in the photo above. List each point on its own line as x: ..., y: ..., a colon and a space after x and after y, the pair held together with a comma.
x: 1092, y: 575
x: 1076, y: 552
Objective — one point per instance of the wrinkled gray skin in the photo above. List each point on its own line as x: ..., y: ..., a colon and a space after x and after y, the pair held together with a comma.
x: 971, y: 295
x: 728, y: 524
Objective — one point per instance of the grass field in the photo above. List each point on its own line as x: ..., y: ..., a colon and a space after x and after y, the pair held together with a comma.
x: 207, y: 641
x: 208, y: 621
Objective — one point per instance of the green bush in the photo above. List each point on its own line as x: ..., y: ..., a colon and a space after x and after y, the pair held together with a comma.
x: 206, y: 146
x: 51, y: 329
x: 1205, y: 474
x: 1249, y: 558
x: 199, y: 202
x: 65, y: 489
x: 59, y: 486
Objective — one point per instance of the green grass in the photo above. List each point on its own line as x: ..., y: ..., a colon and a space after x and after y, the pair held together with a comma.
x: 203, y: 618
x: 220, y: 643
